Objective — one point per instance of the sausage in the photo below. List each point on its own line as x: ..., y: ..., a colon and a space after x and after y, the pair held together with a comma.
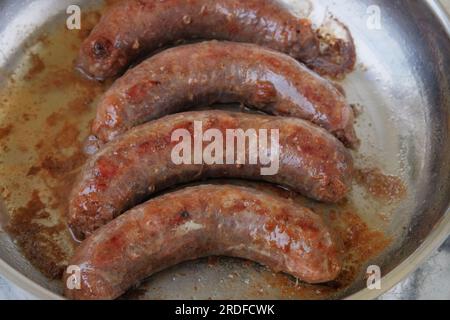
x: 141, y: 162
x: 222, y: 72
x: 133, y: 28
x: 202, y: 221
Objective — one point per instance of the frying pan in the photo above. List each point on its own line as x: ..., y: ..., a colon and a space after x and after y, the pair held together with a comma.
x: 402, y: 86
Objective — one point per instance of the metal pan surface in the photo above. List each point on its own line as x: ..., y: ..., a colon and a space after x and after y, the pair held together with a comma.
x: 401, y: 85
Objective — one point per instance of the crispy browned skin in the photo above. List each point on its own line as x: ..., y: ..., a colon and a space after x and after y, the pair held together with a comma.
x: 224, y: 72
x: 133, y: 28
x: 129, y: 169
x: 202, y: 221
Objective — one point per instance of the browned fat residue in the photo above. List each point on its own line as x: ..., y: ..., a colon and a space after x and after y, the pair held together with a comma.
x: 63, y: 102
x: 62, y: 78
x: 361, y: 244
x: 36, y: 240
x: 67, y: 136
x: 110, y: 3
x: 357, y: 109
x: 381, y: 186
x: 53, y: 119
x: 76, y: 107
x: 289, y: 287
x: 57, y: 166
x: 6, y: 131
x: 337, y: 56
x: 137, y: 93
x: 5, y: 193
x: 37, y: 66
x: 28, y: 117
x: 52, y: 160
x: 339, y: 88
x: 42, y: 39
x: 82, y: 104
x: 34, y: 170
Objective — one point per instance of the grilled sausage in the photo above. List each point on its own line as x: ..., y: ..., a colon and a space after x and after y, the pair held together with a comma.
x: 224, y: 72
x: 203, y: 221
x: 133, y: 28
x: 140, y: 162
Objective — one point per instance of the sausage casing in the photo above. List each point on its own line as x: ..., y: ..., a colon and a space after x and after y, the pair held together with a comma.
x: 129, y: 169
x: 210, y: 72
x: 202, y: 221
x: 133, y: 28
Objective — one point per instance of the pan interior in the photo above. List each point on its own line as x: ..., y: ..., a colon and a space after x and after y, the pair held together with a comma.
x: 401, y: 87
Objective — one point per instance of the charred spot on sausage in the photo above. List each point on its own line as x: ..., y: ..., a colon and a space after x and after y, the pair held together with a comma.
x: 101, y: 48
x: 184, y: 214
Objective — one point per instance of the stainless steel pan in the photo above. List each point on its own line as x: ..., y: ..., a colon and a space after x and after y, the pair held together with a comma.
x: 403, y: 85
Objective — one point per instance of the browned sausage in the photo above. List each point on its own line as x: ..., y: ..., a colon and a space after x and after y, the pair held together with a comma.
x: 202, y: 221
x: 140, y: 162
x: 210, y: 72
x: 133, y: 28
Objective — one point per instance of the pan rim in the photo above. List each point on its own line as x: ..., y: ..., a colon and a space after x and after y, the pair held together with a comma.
x: 26, y: 284
x: 440, y: 234
x: 437, y: 236
x: 433, y: 241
